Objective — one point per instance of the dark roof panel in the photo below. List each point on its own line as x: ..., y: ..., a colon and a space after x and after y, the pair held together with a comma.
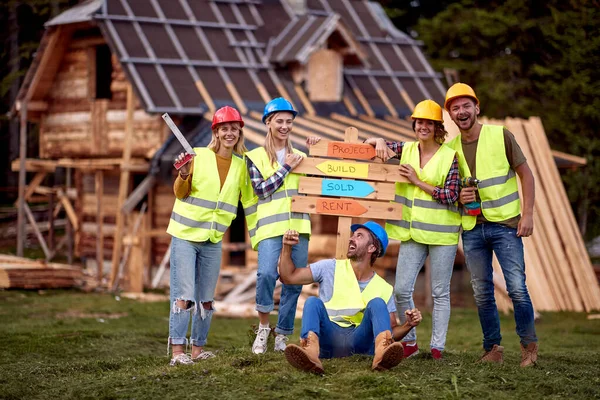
x: 191, y: 43
x: 131, y: 41
x: 220, y: 44
x: 268, y: 83
x: 114, y: 7
x: 372, y: 58
x: 413, y: 58
x: 392, y: 92
x: 387, y: 50
x: 244, y: 84
x: 184, y: 85
x: 214, y: 84
x: 349, y: 93
x: 154, y: 85
x: 339, y: 7
x: 227, y: 13
x: 202, y: 11
x: 368, y: 90
x: 365, y: 16
x: 159, y: 40
x: 434, y: 91
x: 141, y: 8
x: 172, y: 9
x: 413, y: 90
x: 281, y: 42
x: 315, y: 5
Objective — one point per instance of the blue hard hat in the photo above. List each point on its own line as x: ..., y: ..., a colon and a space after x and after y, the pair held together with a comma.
x: 277, y: 105
x: 376, y: 230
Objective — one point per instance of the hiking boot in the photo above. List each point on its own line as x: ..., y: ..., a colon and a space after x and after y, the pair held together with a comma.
x: 280, y: 342
x: 260, y: 343
x: 410, y: 349
x: 388, y: 353
x: 529, y: 355
x: 436, y: 354
x: 495, y: 355
x: 204, y: 355
x: 305, y: 356
x: 182, y: 359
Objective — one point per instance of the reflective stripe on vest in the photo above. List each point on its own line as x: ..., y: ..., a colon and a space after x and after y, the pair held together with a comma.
x: 347, y: 304
x: 498, y: 189
x: 272, y: 216
x: 209, y: 209
x: 424, y: 219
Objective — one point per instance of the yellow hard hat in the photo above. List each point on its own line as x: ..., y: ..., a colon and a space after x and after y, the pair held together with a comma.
x: 459, y: 90
x: 428, y: 109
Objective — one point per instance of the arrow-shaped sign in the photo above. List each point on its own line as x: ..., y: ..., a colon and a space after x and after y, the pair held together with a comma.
x: 340, y: 207
x: 348, y: 188
x: 345, y: 169
x: 357, y: 151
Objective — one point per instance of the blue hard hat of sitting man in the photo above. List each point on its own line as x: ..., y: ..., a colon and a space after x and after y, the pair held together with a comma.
x: 377, y: 231
x: 278, y: 105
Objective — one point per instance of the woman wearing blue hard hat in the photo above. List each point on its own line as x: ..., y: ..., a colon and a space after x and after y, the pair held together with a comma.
x: 430, y: 221
x: 269, y: 216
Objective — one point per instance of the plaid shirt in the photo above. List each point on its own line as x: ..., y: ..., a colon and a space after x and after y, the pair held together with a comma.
x: 447, y: 195
x: 266, y: 187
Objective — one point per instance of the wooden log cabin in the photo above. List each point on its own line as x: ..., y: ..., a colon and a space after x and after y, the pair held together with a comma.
x: 106, y: 70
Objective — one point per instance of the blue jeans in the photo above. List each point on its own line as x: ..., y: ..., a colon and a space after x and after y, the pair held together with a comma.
x: 479, y: 244
x: 336, y: 341
x: 194, y: 273
x: 410, y: 261
x: 267, y: 275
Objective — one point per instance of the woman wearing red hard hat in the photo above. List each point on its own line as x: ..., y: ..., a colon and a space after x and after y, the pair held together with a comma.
x: 207, y: 192
x: 269, y: 216
x: 430, y: 221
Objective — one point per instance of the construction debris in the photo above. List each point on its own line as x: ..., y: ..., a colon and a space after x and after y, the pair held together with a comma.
x: 24, y: 273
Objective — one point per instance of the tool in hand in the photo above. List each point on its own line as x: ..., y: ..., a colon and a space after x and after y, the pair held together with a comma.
x: 189, y: 150
x: 473, y: 208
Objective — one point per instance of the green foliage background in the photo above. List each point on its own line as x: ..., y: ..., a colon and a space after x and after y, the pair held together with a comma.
x: 525, y: 58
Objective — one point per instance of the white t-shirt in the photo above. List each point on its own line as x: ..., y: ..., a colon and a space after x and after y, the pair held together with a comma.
x: 281, y: 156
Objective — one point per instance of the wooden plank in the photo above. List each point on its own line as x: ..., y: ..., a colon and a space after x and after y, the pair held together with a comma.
x: 382, y: 190
x: 350, y: 151
x: 91, y: 73
x: 123, y: 187
x: 37, y: 232
x: 69, y: 209
x: 239, y: 103
x: 304, y: 99
x: 161, y: 268
x: 341, y: 207
x: 349, y: 106
x: 205, y: 96
x: 400, y: 129
x: 343, y: 237
x: 22, y: 176
x: 375, y: 172
x: 99, y: 192
x: 134, y: 272
x: 35, y: 182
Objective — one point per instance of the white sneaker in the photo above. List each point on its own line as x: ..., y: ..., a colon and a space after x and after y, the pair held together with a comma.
x: 280, y: 342
x: 181, y: 359
x: 260, y: 343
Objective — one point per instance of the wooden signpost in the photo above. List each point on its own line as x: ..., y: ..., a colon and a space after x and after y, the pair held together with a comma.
x: 365, y: 191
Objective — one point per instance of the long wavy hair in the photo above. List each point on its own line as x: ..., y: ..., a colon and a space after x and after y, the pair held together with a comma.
x: 270, y: 142
x: 439, y: 132
x: 240, y: 146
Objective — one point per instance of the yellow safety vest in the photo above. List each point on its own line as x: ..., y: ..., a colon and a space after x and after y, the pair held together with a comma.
x: 274, y: 214
x: 424, y: 220
x: 498, y: 188
x: 208, y: 210
x: 347, y: 304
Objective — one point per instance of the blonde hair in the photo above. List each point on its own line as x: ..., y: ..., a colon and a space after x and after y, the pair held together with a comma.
x: 240, y: 146
x: 270, y: 142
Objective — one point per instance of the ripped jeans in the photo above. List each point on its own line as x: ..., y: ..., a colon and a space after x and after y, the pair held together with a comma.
x: 194, y: 273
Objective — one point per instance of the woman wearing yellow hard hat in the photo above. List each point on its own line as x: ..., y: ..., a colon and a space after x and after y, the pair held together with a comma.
x: 430, y: 221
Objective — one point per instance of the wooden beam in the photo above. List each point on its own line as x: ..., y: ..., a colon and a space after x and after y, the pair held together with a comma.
x: 304, y: 99
x: 37, y: 232
x: 205, y: 96
x: 71, y: 214
x: 99, y: 185
x: 241, y: 106
x: 123, y: 187
x: 344, y: 223
x: 33, y: 185
x: 21, y: 208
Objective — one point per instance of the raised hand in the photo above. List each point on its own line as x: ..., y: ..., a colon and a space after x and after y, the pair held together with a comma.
x: 312, y: 140
x: 293, y: 160
x: 291, y: 238
x: 185, y: 169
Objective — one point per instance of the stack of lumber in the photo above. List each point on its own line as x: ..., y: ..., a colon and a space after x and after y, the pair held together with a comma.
x: 24, y: 273
x: 560, y: 276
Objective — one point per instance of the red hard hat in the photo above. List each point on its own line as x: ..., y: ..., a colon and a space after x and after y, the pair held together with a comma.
x: 227, y: 114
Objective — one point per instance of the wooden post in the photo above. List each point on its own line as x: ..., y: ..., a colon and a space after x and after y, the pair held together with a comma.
x: 69, y: 230
x: 123, y: 186
x: 344, y: 223
x: 51, y: 222
x: 22, y: 156
x: 99, y: 183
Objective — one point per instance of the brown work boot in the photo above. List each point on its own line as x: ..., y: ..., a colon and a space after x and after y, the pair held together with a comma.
x: 529, y: 354
x: 305, y: 356
x: 495, y: 355
x: 388, y: 353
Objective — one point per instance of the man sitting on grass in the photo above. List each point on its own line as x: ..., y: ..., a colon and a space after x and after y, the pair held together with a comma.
x: 355, y: 312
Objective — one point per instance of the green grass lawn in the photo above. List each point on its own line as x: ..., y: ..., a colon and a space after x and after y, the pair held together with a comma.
x: 66, y: 344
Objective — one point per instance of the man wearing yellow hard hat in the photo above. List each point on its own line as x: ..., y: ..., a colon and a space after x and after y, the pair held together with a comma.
x: 491, y: 154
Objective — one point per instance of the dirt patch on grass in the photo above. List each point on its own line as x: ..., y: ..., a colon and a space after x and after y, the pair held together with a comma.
x: 79, y: 314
